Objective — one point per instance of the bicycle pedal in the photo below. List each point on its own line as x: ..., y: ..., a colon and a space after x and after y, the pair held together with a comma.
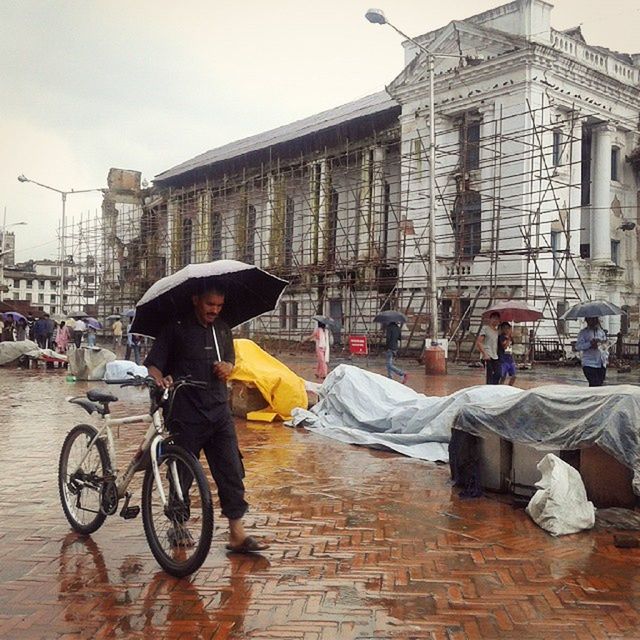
x: 128, y: 513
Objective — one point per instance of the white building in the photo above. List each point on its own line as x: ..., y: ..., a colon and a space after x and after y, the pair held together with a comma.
x: 536, y: 186
x: 38, y: 283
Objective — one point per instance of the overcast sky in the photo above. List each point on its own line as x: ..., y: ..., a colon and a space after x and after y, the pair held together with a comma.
x: 91, y: 84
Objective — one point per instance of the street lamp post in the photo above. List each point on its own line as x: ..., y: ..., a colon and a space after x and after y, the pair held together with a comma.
x: 64, y: 194
x: 3, y: 252
x: 376, y: 16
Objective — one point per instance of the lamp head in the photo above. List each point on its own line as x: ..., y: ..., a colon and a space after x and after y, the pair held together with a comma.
x: 375, y: 16
x: 23, y: 178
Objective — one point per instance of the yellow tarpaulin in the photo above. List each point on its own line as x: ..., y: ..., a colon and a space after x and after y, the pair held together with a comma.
x: 281, y: 388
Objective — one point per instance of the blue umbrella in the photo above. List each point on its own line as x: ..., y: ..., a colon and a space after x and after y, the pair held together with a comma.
x: 129, y: 313
x: 93, y: 323
x: 13, y: 315
x: 592, y: 309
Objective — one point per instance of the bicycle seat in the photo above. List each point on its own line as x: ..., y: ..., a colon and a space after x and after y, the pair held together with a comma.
x: 99, y: 396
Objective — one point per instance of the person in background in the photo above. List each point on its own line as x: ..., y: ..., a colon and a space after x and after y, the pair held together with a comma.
x: 392, y: 343
x: 50, y: 324
x: 133, y: 346
x: 487, y: 344
x: 62, y: 338
x: 79, y: 329
x: 7, y: 331
x: 593, y: 344
x: 505, y: 354
x: 320, y: 336
x: 116, y: 330
x: 21, y: 329
x: 91, y: 336
x: 40, y: 330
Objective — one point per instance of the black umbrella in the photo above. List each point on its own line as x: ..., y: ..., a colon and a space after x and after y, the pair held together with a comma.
x: 249, y: 292
x: 385, y: 317
x: 329, y: 322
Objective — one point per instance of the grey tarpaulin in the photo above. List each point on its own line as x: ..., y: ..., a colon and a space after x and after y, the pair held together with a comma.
x: 360, y: 407
x: 565, y: 417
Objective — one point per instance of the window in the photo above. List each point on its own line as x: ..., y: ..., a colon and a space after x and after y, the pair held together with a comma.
x: 250, y: 239
x: 332, y: 226
x: 28, y: 297
x: 54, y: 271
x: 467, y: 224
x: 470, y: 143
x: 585, y: 251
x: 216, y: 235
x: 289, y: 214
x: 53, y: 309
x: 16, y: 283
x: 294, y: 315
x: 41, y: 283
x: 53, y: 298
x: 615, y: 252
x: 615, y: 163
x: 187, y: 236
x: 283, y: 315
x: 16, y: 295
x: 41, y: 297
x: 29, y: 284
x: 555, y: 251
x: 556, y: 152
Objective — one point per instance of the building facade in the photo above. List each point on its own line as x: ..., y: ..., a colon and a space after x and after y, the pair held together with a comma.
x: 535, y: 188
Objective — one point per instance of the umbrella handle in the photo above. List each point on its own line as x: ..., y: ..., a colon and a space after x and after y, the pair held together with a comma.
x: 215, y: 341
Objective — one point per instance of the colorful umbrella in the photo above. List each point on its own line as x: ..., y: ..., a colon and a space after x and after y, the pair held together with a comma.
x: 93, y: 323
x: 13, y: 315
x: 514, y: 311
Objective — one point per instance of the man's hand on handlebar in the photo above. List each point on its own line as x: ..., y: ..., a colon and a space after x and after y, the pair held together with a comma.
x: 165, y: 382
x: 222, y: 369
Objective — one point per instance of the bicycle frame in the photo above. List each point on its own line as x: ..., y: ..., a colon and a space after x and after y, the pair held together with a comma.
x: 153, y: 438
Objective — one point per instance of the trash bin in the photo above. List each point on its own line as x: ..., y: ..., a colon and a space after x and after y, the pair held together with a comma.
x: 435, y: 362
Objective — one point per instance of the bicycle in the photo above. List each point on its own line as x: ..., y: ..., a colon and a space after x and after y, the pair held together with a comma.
x: 177, y: 509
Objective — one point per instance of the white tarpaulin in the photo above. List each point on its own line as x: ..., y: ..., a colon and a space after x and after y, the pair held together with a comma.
x: 360, y: 407
x: 563, y: 416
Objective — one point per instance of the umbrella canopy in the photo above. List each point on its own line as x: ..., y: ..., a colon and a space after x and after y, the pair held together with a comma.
x: 329, y: 322
x: 13, y: 315
x: 385, y: 317
x: 113, y: 317
x: 592, y: 309
x: 93, y: 323
x: 129, y: 313
x: 250, y: 292
x: 514, y: 311
x: 77, y: 313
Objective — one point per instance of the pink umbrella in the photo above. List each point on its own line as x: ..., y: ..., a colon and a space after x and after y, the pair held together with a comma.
x: 514, y: 311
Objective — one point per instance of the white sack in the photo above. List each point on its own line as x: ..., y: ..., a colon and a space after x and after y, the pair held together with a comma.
x: 87, y: 363
x: 560, y: 505
x: 123, y: 369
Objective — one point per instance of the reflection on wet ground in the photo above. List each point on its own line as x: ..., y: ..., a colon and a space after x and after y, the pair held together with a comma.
x: 365, y: 544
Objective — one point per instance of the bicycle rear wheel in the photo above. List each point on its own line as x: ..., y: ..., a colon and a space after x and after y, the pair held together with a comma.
x: 178, y: 531
x: 81, y: 471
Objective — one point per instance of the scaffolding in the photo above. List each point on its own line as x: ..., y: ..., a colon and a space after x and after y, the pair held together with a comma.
x: 347, y: 224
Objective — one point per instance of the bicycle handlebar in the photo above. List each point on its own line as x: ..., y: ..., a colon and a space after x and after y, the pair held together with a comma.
x: 149, y: 382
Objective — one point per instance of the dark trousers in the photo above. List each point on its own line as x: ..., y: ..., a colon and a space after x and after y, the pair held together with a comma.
x: 493, y: 371
x: 219, y: 442
x: 595, y: 376
x: 77, y: 338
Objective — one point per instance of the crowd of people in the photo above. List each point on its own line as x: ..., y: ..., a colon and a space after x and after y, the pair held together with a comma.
x: 57, y: 336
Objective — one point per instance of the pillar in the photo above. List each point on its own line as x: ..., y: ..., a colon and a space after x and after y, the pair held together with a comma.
x: 600, y: 215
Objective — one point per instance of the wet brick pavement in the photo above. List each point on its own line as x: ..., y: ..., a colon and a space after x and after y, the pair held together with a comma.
x: 365, y: 544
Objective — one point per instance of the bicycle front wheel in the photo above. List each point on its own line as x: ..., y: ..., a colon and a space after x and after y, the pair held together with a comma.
x: 81, y: 473
x: 177, y: 512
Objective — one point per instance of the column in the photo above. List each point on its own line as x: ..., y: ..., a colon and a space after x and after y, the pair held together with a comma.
x: 600, y: 215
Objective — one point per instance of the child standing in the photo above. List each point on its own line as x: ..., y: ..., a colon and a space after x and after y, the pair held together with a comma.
x: 505, y: 354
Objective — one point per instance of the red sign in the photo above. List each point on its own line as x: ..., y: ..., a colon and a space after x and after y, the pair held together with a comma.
x: 358, y: 345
